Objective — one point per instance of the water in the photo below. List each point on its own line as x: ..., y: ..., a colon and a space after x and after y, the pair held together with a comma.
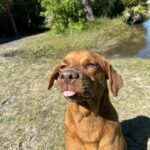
x: 145, y: 52
x: 138, y: 45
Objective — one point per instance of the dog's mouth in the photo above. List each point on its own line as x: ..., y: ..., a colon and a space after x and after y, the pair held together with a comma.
x: 69, y: 93
x: 76, y: 96
x: 77, y: 90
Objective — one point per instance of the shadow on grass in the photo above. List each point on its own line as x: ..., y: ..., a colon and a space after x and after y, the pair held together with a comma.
x: 136, y: 132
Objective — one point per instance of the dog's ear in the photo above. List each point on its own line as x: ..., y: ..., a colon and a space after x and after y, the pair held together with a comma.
x: 54, y: 75
x: 115, y: 80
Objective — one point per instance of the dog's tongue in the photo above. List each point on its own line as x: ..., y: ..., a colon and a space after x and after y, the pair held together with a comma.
x: 68, y: 93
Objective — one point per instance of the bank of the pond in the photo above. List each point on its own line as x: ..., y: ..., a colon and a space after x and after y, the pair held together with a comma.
x: 100, y: 36
x: 137, y: 45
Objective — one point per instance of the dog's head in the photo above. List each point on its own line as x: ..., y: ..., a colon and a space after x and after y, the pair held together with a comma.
x: 83, y: 75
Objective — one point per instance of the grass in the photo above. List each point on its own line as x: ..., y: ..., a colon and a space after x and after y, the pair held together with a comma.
x: 101, y: 36
x: 32, y: 118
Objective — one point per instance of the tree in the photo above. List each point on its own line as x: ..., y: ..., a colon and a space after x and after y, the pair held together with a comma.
x: 23, y: 16
x: 27, y: 15
x: 88, y: 11
x: 6, y: 4
x: 107, y: 8
x: 64, y: 14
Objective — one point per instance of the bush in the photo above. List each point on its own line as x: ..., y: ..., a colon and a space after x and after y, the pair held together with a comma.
x: 135, y: 10
x: 131, y: 3
x: 139, y: 9
x: 64, y: 14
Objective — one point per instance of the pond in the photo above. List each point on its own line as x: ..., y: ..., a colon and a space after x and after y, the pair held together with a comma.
x: 138, y: 45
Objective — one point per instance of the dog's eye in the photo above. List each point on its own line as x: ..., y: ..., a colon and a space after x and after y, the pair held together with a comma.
x: 63, y: 66
x: 90, y: 65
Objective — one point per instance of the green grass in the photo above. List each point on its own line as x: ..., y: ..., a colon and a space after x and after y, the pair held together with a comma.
x: 100, y: 36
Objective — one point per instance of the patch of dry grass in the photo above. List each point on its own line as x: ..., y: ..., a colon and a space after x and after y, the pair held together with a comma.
x: 31, y: 117
x: 135, y: 92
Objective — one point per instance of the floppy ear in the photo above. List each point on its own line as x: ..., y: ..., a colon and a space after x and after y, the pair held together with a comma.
x: 54, y: 75
x: 115, y: 80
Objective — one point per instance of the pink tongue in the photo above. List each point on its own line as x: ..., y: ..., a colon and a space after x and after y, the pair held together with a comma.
x: 68, y: 93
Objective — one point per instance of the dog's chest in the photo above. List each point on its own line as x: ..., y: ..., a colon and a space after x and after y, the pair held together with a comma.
x: 88, y: 127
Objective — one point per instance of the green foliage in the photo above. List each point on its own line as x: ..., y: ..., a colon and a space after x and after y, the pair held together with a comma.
x: 135, y: 7
x: 64, y: 14
x: 131, y: 3
x: 107, y: 8
x: 139, y: 9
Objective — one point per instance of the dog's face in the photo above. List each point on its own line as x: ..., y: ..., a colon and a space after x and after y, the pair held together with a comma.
x: 82, y: 75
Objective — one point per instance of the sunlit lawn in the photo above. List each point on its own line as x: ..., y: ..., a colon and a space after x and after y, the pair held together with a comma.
x: 31, y: 117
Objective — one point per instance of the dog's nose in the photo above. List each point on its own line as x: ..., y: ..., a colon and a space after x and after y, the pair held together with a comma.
x: 69, y: 76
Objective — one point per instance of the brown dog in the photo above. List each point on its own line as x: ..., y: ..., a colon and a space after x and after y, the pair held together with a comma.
x: 91, y: 121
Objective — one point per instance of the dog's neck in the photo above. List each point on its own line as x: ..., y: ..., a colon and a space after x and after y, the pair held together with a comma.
x: 87, y: 119
x: 99, y: 107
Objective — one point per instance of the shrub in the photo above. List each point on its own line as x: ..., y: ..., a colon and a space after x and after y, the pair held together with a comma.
x: 64, y: 14
x: 69, y: 14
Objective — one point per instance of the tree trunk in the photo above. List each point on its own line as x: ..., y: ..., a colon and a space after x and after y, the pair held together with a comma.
x: 11, y: 18
x: 88, y: 12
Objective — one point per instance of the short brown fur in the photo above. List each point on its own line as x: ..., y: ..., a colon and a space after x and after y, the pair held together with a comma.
x: 91, y: 122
